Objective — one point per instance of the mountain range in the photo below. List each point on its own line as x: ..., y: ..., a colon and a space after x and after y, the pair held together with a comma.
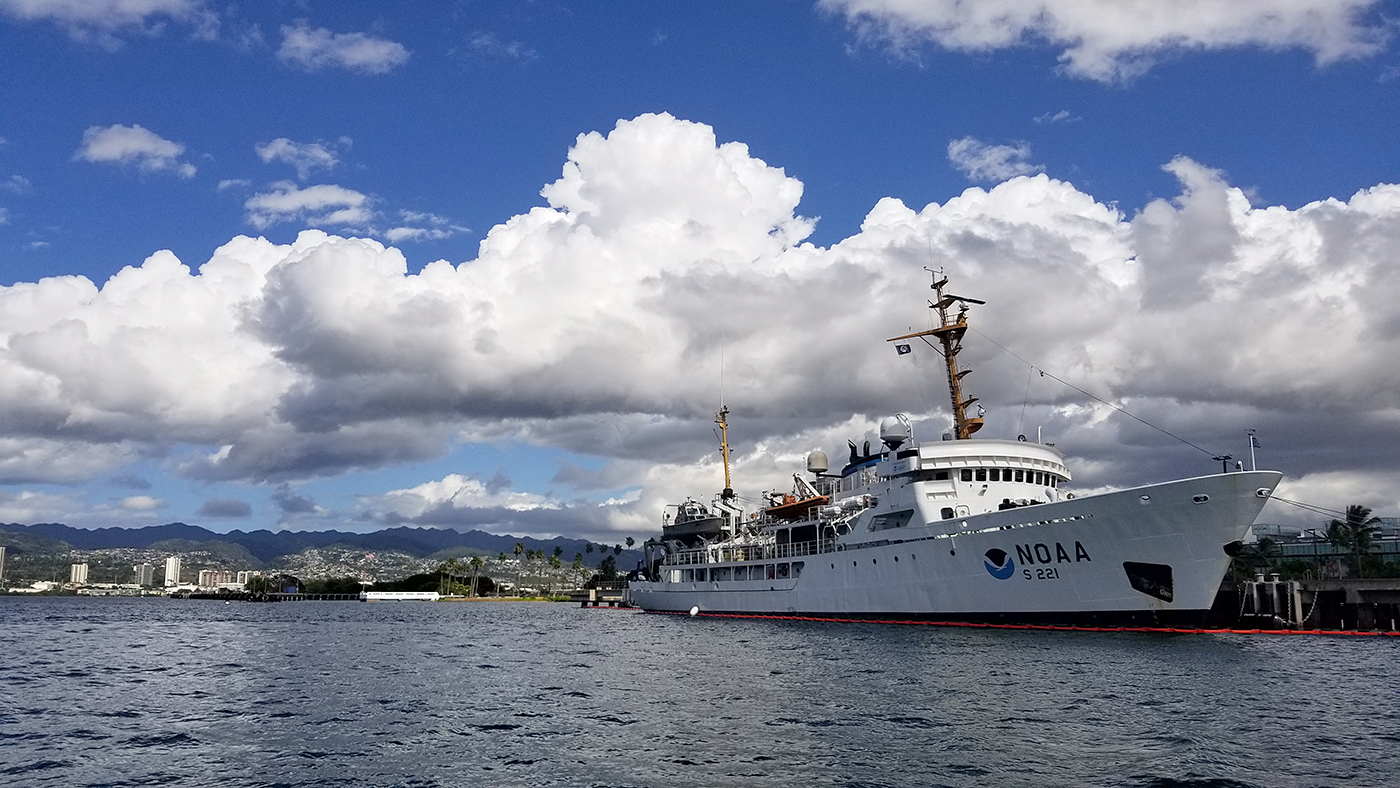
x: 268, y: 545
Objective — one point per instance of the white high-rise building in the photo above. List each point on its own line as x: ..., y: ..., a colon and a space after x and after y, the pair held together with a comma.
x: 145, y: 574
x: 172, y: 571
x: 77, y: 574
x: 2, y: 566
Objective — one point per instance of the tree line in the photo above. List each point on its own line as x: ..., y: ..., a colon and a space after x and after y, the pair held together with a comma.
x: 1354, y: 535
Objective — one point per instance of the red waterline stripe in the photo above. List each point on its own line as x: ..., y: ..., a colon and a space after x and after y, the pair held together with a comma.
x: 1044, y: 627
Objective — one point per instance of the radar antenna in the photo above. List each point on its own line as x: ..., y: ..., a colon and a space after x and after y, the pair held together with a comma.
x: 949, y: 333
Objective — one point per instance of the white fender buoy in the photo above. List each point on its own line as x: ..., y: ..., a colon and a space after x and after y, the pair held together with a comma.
x: 695, y: 611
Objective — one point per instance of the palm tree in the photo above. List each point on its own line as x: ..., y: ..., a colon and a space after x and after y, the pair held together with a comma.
x: 453, y: 567
x: 630, y: 542
x: 519, y: 548
x: 1356, y: 532
x: 476, y: 563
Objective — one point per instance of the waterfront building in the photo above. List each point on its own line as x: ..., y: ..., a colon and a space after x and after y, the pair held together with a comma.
x: 211, y: 578
x: 1389, y: 526
x: 77, y: 574
x: 172, y: 571
x: 145, y: 575
x: 245, y: 577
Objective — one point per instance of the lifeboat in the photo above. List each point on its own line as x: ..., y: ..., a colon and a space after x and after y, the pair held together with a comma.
x: 794, y: 509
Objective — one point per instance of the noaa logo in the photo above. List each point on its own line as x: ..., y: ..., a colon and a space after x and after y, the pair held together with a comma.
x: 999, y: 564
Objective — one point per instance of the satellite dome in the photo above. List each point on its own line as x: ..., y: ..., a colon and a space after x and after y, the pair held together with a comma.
x: 894, y: 431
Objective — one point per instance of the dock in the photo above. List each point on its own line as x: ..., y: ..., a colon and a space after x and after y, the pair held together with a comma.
x: 1371, y: 604
x: 606, y: 592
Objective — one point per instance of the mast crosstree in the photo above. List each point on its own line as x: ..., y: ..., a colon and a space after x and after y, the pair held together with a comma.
x: 728, y: 492
x: 949, y: 333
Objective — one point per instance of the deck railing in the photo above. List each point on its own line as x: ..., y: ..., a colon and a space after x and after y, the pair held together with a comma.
x: 758, y: 552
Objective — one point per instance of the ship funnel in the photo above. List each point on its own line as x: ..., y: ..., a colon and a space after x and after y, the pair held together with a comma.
x: 894, y: 431
x: 816, y: 463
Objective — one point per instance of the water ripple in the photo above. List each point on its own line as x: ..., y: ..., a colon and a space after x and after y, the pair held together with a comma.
x: 155, y: 692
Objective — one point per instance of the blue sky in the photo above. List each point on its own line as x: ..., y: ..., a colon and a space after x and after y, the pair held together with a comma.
x: 1145, y: 173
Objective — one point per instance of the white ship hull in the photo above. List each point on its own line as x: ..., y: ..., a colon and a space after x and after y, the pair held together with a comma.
x: 1076, y: 560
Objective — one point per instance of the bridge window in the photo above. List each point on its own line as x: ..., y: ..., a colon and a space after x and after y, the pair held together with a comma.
x: 947, y: 513
x: 1020, y: 475
x: 981, y: 474
x: 996, y: 474
x: 797, y: 568
x: 940, y: 476
x: 784, y: 571
x: 1039, y: 478
x: 967, y: 474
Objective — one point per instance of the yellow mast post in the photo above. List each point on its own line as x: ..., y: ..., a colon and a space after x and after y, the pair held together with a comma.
x: 728, y: 492
x: 950, y: 333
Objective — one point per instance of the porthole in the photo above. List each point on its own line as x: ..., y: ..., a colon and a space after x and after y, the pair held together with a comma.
x: 1144, y: 500
x: 1200, y: 498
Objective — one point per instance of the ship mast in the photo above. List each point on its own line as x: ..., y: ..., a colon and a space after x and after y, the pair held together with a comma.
x: 949, y: 333
x: 728, y: 492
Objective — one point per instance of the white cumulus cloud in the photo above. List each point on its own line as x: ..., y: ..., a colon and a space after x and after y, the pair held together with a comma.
x: 491, y: 44
x: 142, y: 503
x: 594, y: 324
x: 133, y: 145
x: 302, y: 156
x: 422, y: 226
x: 980, y: 161
x: 1063, y: 116
x: 17, y: 184
x: 1112, y: 40
x: 322, y: 205
x: 317, y: 48
x: 101, y: 21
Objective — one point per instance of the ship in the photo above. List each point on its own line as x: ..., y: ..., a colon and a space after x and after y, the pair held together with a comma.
x: 958, y: 529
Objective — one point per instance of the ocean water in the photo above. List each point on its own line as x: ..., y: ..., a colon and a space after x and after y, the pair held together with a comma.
x: 128, y: 692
